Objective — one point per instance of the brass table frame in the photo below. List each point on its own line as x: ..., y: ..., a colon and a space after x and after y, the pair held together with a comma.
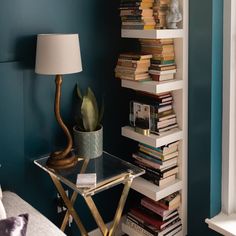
x: 125, y: 178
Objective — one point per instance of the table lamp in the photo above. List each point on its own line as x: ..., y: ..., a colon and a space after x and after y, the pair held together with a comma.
x: 59, y: 54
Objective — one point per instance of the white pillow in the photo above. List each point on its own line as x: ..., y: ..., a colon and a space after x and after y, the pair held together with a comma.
x: 2, y: 209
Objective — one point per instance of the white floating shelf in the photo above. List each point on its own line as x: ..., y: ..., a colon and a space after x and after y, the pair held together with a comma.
x: 132, y: 232
x: 152, y: 139
x: 152, y: 34
x: 154, y: 192
x: 153, y: 86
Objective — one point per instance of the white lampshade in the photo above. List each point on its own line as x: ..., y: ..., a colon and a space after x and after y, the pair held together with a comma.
x: 58, y: 54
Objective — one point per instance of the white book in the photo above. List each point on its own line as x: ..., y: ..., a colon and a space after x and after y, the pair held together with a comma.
x: 175, y: 231
x: 168, y: 229
x: 166, y: 123
x: 157, y: 72
x: 87, y: 180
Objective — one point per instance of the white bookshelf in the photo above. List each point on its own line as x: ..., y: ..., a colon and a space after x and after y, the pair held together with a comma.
x: 179, y: 88
x: 152, y: 139
x: 154, y: 192
x: 153, y: 86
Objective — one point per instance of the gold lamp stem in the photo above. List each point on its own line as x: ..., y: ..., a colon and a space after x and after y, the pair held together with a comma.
x: 63, y: 153
x: 61, y: 159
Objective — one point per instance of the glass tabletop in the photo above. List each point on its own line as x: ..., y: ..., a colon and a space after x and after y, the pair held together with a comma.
x: 110, y: 171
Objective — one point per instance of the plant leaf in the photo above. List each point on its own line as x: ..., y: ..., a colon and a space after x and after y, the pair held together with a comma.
x: 88, y: 114
x: 79, y: 92
x: 92, y: 97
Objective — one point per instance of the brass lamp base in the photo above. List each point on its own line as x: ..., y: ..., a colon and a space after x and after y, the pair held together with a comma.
x: 68, y: 161
x: 65, y: 158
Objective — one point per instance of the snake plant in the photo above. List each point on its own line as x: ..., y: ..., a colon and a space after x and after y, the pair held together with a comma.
x: 91, y: 116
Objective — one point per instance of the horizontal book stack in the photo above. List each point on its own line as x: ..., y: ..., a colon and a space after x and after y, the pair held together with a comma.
x: 159, y: 218
x: 164, y: 117
x: 131, y: 66
x: 163, y: 66
x: 137, y: 14
x: 160, y: 10
x: 160, y: 164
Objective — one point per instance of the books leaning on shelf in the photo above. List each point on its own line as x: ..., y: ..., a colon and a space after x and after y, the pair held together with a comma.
x: 163, y: 65
x: 133, y: 66
x: 151, y: 219
x: 137, y: 14
x: 160, y: 164
x: 154, y: 112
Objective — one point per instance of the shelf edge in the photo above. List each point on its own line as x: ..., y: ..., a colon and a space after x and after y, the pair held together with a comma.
x: 144, y: 187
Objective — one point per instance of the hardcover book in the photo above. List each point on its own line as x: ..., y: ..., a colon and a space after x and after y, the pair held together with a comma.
x: 157, y: 223
x: 153, y: 206
x: 170, y: 201
x: 159, y: 181
x: 148, y: 229
x: 159, y: 173
x: 135, y: 56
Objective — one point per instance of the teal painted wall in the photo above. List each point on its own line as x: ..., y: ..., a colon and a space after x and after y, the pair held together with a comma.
x: 205, y: 106
x: 216, y: 108
x: 28, y: 127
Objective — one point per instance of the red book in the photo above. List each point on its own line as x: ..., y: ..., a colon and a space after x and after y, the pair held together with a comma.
x: 153, y: 206
x: 154, y: 221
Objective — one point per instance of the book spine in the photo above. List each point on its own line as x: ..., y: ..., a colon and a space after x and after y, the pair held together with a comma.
x: 175, y: 224
x: 163, y: 62
x: 146, y: 27
x: 153, y: 208
x: 136, y: 4
x: 127, y: 64
x: 145, y: 161
x: 151, y: 179
x: 135, y: 225
x: 150, y: 157
x: 147, y: 219
x: 124, y: 1
x: 157, y: 173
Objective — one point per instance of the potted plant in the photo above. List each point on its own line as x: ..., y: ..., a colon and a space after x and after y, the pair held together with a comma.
x: 88, y: 131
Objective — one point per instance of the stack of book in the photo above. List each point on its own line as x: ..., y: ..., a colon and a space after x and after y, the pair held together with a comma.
x: 160, y: 10
x: 137, y: 14
x: 160, y: 164
x: 133, y: 66
x: 154, y: 112
x: 163, y: 65
x: 159, y: 218
x: 165, y: 117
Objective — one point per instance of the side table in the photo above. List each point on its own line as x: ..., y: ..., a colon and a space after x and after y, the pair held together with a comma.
x: 110, y: 171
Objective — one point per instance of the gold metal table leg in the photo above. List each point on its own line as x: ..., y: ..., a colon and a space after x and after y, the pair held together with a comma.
x: 69, y: 205
x: 96, y: 215
x: 73, y: 198
x: 120, y: 207
x: 102, y: 226
x: 67, y: 215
